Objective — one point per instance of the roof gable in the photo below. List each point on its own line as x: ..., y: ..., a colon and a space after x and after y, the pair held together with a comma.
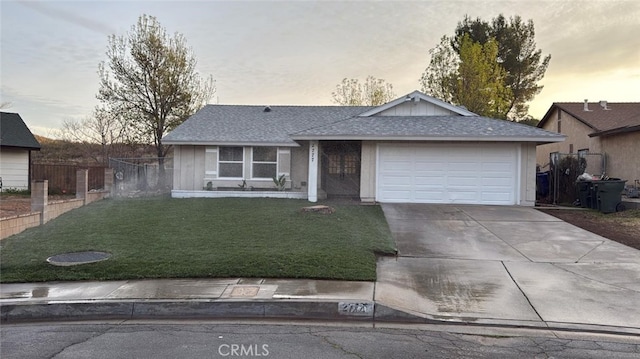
x: 15, y: 133
x: 433, y: 107
x: 603, y: 118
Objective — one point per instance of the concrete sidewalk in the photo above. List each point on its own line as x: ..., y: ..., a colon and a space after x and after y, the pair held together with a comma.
x: 205, y: 299
x: 188, y: 298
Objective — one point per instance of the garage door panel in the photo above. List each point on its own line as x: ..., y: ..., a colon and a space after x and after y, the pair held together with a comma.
x: 459, y: 181
x: 396, y: 180
x: 462, y: 196
x: 495, y: 197
x: 428, y: 165
x: 428, y: 197
x: 397, y: 195
x: 447, y: 173
x: 398, y: 165
x: 434, y: 179
x: 496, y: 182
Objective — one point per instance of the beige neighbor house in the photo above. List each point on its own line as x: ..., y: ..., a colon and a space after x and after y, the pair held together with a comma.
x: 612, y: 129
x: 413, y: 149
x: 16, y: 144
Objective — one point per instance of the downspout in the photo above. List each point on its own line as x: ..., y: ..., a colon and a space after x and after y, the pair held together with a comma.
x: 519, y: 176
x: 29, y: 172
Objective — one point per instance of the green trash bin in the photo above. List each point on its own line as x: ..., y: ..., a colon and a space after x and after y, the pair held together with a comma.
x: 609, y: 195
x: 585, y: 187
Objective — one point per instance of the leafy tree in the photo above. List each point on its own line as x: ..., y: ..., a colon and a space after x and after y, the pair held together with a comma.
x: 517, y: 54
x: 528, y: 120
x: 439, y: 78
x: 479, y: 82
x: 350, y: 92
x: 470, y: 78
x: 150, y: 80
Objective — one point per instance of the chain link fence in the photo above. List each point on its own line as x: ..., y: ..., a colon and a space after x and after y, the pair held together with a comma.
x: 564, y: 170
x: 141, y: 176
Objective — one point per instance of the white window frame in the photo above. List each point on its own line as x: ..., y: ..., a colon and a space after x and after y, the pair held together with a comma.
x: 276, y: 162
x: 220, y: 161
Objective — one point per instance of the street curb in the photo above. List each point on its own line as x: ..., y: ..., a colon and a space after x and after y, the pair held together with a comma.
x: 329, y: 310
x: 191, y: 309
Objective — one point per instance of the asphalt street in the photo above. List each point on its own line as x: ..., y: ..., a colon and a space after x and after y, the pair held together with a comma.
x: 288, y: 340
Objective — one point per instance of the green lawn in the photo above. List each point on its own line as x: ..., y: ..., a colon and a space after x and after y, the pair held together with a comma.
x: 162, y: 237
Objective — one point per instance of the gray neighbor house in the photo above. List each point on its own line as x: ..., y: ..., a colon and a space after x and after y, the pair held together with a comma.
x: 415, y: 149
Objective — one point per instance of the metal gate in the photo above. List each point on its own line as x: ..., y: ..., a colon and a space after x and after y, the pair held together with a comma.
x: 137, y: 176
x: 565, y: 169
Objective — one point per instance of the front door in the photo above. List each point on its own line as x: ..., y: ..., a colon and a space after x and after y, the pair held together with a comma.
x: 341, y: 168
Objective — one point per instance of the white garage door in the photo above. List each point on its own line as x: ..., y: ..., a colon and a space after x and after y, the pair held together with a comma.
x: 478, y: 173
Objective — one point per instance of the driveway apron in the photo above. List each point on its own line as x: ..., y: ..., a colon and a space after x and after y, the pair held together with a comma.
x: 506, y: 264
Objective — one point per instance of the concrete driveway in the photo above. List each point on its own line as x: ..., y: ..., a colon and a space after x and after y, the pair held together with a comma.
x: 500, y: 264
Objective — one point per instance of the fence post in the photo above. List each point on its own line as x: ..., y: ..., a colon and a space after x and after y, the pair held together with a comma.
x: 82, y: 185
x: 108, y: 180
x: 39, y: 195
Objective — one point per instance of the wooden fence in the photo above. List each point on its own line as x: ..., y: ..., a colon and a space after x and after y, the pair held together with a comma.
x: 62, y: 178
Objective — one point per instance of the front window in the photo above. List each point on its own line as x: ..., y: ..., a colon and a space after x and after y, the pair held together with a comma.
x: 264, y: 162
x: 230, y: 162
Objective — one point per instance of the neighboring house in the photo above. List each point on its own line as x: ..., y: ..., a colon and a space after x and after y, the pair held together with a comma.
x: 612, y: 129
x: 16, y: 144
x: 413, y: 149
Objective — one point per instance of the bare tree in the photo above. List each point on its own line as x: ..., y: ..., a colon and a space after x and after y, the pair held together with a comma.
x: 350, y: 92
x: 150, y: 78
x: 103, y: 128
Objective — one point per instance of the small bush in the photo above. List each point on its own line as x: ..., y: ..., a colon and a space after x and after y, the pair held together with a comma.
x: 15, y: 191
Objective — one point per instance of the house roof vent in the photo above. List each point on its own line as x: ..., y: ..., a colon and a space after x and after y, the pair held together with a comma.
x: 267, y: 109
x: 603, y: 104
x: 586, y: 105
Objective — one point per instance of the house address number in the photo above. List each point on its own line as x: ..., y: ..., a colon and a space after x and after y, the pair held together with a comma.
x: 313, y: 152
x: 357, y: 308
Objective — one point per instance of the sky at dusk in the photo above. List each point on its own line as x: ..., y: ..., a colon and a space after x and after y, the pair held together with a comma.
x: 296, y: 52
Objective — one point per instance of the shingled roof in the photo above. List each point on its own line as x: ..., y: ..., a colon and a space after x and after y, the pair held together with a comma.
x: 259, y: 125
x: 283, y: 125
x: 428, y: 128
x: 15, y: 133
x: 603, y: 118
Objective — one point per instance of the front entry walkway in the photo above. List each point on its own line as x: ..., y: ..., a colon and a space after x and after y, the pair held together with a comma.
x: 491, y: 264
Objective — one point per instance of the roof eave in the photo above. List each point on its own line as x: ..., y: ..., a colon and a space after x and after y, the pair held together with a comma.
x: 31, y: 148
x: 231, y: 143
x: 536, y: 139
x: 616, y: 131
